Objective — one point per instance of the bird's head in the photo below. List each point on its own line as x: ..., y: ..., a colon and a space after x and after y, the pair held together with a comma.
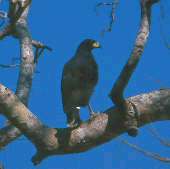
x: 89, y: 44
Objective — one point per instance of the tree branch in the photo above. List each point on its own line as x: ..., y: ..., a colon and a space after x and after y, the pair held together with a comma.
x: 100, y: 129
x: 9, y: 66
x: 117, y: 91
x: 8, y: 134
x: 40, y: 47
x: 147, y: 153
x: 16, y: 10
x: 113, y: 5
x: 27, y: 59
x: 162, y: 140
x: 38, y: 44
x: 27, y: 66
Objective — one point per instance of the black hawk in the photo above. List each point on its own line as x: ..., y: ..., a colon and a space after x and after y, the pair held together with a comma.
x: 79, y: 77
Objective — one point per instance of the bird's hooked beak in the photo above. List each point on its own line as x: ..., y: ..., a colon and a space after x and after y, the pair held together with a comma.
x: 96, y: 45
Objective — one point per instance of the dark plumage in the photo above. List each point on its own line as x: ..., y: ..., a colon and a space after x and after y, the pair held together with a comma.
x: 80, y: 75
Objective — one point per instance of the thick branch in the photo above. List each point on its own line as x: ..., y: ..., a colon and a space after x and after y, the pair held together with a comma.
x: 27, y: 62
x: 153, y: 106
x: 117, y: 91
x: 27, y: 67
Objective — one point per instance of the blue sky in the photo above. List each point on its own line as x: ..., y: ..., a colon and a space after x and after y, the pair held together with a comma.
x: 63, y: 25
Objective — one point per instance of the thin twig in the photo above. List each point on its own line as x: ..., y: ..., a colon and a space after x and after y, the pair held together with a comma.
x: 9, y: 66
x: 38, y: 53
x: 38, y: 44
x: 3, y: 15
x: 40, y: 47
x: 147, y: 153
x: 158, y: 137
x: 113, y: 5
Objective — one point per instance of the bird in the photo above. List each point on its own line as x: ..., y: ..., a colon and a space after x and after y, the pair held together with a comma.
x: 79, y: 77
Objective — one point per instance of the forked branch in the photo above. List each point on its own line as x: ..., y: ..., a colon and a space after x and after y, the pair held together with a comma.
x: 117, y: 93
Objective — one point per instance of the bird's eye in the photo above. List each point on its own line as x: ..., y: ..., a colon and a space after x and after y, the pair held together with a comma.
x: 96, y: 45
